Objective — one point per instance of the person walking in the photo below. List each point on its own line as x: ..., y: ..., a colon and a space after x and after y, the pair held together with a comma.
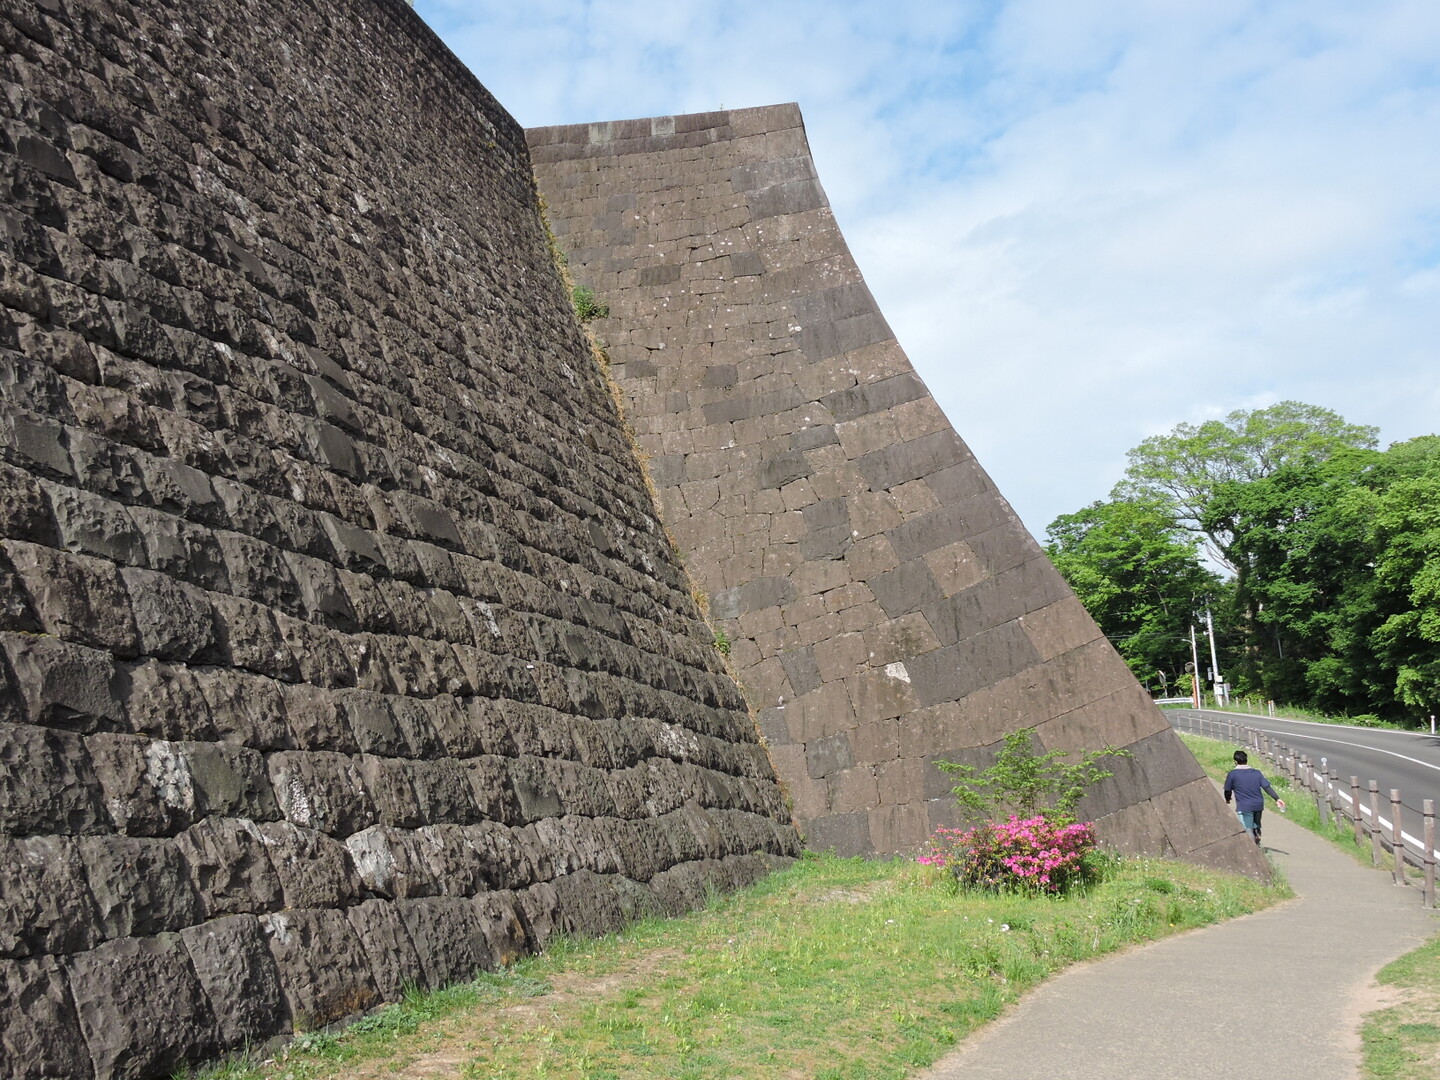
x: 1249, y: 787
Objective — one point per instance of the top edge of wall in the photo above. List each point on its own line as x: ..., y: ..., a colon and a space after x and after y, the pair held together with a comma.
x: 645, y: 135
x: 429, y: 45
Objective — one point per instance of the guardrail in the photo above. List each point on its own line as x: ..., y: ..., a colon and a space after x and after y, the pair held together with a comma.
x: 1334, y: 803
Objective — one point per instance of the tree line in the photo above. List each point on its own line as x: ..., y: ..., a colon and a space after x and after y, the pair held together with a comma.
x: 1317, y: 552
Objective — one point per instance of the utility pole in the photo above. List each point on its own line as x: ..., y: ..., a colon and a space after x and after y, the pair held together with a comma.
x: 1214, y: 660
x: 1194, y: 667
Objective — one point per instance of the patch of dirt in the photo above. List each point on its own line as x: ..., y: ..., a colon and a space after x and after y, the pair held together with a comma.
x: 861, y: 895
x: 1364, y: 1000
x: 462, y: 1031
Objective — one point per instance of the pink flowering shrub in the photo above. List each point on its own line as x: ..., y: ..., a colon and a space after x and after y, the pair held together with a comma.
x: 1031, y: 854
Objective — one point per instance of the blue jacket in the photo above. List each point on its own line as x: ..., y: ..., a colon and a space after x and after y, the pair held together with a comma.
x: 1246, y: 783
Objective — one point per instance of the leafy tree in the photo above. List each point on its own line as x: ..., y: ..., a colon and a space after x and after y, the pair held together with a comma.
x: 1405, y: 530
x: 1332, y: 548
x: 1140, y: 577
x: 1335, y: 561
x: 1300, y: 555
x: 1185, y: 468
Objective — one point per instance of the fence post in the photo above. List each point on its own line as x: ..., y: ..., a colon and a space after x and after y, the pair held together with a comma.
x: 1399, y: 849
x: 1332, y: 796
x: 1355, y: 805
x: 1374, y: 823
x: 1322, y: 801
x: 1428, y: 807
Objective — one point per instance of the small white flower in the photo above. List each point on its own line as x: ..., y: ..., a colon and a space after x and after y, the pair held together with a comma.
x: 1005, y: 927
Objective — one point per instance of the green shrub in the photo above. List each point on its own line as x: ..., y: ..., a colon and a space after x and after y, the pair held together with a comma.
x: 1026, y: 783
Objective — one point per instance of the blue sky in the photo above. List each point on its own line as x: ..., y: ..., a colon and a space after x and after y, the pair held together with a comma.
x: 1086, y: 223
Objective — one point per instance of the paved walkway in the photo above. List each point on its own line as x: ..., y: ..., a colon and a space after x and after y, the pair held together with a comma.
x: 1277, y: 995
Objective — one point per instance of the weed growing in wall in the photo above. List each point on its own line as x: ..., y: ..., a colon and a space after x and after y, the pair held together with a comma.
x: 588, y: 307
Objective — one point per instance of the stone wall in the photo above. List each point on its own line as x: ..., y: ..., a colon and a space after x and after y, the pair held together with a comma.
x: 886, y: 606
x: 340, y: 645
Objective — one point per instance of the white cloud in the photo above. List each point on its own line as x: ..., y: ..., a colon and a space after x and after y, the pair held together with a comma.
x: 1086, y: 223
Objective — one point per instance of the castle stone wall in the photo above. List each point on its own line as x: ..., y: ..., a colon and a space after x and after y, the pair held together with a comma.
x: 886, y: 606
x: 340, y: 645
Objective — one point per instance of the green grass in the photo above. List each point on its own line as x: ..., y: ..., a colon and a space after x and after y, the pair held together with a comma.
x: 837, y: 968
x: 1401, y: 1042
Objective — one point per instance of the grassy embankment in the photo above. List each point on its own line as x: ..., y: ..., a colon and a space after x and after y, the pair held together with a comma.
x: 1401, y: 1042
x: 836, y: 968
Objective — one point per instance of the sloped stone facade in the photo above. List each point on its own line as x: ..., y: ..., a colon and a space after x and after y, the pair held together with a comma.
x: 340, y: 644
x: 886, y: 606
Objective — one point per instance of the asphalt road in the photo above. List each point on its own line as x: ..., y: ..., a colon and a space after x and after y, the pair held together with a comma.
x: 1406, y: 760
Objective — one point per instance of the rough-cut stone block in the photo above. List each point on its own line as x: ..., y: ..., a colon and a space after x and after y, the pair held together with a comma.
x: 142, y: 1011
x: 140, y: 887
x: 147, y: 784
x: 47, y: 783
x: 230, y: 867
x: 324, y: 972
x: 387, y: 863
x: 372, y: 723
x: 165, y: 701
x: 315, y: 718
x: 174, y: 619
x: 537, y: 907
x: 238, y: 975
x: 535, y: 794
x: 387, y: 782
x: 39, y: 1032
x: 247, y: 637
x: 314, y: 870
x: 247, y: 709
x: 25, y: 513
x: 593, y: 904
x: 77, y: 598
x: 490, y: 783
x: 449, y: 937
x: 65, y: 685
x: 503, y: 927
x: 322, y: 791
x: 444, y: 793
x: 394, y: 964
x: 45, y: 906
x: 230, y: 781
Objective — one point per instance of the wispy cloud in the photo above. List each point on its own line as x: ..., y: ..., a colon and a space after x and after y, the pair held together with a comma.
x: 1086, y: 223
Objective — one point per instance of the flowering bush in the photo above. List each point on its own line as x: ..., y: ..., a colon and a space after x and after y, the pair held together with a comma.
x: 1029, y: 854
